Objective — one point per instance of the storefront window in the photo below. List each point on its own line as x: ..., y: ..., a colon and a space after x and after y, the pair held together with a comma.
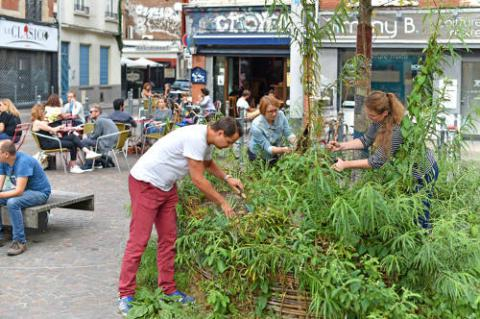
x: 26, y: 75
x: 219, y: 72
x: 391, y: 72
x: 470, y: 87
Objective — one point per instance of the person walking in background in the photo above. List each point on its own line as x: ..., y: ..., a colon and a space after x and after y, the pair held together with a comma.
x: 73, y: 110
x: 68, y: 141
x: 119, y: 115
x: 206, y: 103
x: 268, y: 131
x: 31, y: 188
x: 153, y: 193
x: 9, y: 119
x: 386, y: 113
x: 242, y: 103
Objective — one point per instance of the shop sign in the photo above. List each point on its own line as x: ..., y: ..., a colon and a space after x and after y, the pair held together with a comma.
x: 408, y: 26
x: 169, y: 72
x: 199, y: 76
x: 133, y: 77
x: 28, y: 36
x: 220, y: 80
x: 244, y: 20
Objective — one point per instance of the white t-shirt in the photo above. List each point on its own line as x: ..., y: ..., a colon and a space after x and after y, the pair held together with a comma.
x: 166, y: 161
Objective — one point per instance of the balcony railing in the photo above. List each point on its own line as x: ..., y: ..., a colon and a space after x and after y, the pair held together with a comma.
x: 80, y: 8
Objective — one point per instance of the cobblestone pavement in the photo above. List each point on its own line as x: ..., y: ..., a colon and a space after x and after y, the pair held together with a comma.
x: 71, y: 270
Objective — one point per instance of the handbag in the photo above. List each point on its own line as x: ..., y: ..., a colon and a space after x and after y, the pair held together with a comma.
x: 42, y: 159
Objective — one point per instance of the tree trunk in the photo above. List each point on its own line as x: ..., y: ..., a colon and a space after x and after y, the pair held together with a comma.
x: 364, y: 53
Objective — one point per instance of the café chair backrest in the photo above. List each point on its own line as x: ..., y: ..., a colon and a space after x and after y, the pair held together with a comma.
x: 88, y: 128
x: 20, y: 134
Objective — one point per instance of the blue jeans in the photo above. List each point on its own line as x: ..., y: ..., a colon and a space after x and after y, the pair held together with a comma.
x: 15, y: 205
x: 153, y: 129
x: 5, y: 136
x: 428, y: 181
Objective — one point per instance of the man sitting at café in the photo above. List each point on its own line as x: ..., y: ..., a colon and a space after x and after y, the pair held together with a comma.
x: 119, y: 115
x: 103, y: 126
x: 73, y: 110
x: 31, y: 188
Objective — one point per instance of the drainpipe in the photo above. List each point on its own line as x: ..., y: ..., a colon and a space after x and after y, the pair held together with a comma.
x: 296, y: 71
x: 59, y: 54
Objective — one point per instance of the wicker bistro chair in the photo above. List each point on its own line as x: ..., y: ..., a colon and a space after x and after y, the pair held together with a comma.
x: 20, y: 134
x: 121, y: 146
x: 61, y: 150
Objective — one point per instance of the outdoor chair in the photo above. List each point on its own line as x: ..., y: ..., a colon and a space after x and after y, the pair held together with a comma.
x: 20, y: 134
x: 88, y: 128
x: 167, y: 127
x: 61, y: 150
x: 147, y: 109
x: 121, y: 146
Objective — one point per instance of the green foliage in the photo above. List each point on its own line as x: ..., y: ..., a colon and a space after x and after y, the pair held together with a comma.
x: 354, y: 248
x: 155, y: 305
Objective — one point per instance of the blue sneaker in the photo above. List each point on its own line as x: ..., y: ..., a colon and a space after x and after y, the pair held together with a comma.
x: 179, y: 296
x: 124, y: 305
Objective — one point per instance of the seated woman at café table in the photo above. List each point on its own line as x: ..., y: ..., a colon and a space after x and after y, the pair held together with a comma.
x: 147, y: 91
x: 162, y: 115
x: 9, y: 118
x: 68, y: 141
x: 53, y: 110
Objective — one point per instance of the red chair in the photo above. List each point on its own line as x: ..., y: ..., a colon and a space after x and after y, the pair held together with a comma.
x: 20, y: 134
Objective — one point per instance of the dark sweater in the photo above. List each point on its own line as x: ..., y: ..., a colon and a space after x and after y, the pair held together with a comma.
x: 10, y: 122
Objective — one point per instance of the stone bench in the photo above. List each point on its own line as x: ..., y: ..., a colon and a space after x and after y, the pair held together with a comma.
x: 37, y: 216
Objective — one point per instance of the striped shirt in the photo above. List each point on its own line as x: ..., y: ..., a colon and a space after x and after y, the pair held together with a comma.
x: 378, y: 157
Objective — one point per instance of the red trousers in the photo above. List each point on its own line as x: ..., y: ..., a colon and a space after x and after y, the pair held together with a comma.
x: 150, y: 205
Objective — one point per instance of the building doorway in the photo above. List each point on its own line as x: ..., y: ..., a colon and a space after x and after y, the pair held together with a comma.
x: 256, y: 74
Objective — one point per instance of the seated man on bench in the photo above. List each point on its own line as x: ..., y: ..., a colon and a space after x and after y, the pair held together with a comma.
x: 32, y: 188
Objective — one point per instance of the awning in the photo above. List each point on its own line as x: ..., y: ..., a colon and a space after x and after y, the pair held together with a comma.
x: 243, y: 51
x: 243, y: 45
x: 140, y: 63
x: 173, y: 62
x: 241, y: 39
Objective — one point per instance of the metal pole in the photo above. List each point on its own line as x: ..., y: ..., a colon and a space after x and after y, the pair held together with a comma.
x: 35, y: 90
x: 149, y: 106
x: 130, y: 101
x: 227, y: 108
x: 15, y: 93
x: 39, y: 99
x: 52, y: 89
